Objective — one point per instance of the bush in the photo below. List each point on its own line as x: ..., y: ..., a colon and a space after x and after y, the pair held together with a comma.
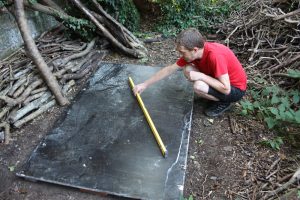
x: 201, y: 14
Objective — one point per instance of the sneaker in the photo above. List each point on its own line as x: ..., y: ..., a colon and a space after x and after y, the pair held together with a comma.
x: 217, y: 109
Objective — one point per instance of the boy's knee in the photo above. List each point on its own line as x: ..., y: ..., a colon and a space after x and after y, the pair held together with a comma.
x: 188, y: 69
x: 200, y: 86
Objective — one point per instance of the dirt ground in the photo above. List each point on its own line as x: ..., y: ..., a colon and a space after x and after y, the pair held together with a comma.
x: 225, y: 157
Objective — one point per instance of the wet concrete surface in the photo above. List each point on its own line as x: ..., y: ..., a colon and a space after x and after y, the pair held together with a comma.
x: 104, y: 143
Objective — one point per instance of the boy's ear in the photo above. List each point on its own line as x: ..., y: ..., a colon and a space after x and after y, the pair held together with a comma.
x: 196, y: 49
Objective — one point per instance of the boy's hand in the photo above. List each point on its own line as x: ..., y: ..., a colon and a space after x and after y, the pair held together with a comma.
x: 138, y: 89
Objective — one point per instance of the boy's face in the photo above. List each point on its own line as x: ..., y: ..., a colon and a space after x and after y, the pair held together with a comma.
x: 188, y: 55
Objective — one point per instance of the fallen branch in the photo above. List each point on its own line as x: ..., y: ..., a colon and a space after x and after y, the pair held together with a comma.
x: 295, y: 12
x: 285, y: 63
x: 294, y: 178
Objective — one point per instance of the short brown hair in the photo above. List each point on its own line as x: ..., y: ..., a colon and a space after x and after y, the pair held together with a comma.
x: 190, y: 38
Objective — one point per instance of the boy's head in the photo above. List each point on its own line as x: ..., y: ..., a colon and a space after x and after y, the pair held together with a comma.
x: 190, y: 38
x: 190, y: 43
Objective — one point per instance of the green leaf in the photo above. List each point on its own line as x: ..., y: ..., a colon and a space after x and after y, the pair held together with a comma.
x: 293, y: 73
x: 281, y: 108
x: 244, y: 112
x: 271, y: 122
x: 289, y: 115
x: 296, y: 98
x: 285, y: 101
x: 191, y: 197
x: 297, y: 116
x: 273, y: 144
x: 274, y: 111
x: 247, y: 105
x: 279, y: 140
x: 256, y: 104
x: 274, y: 99
x: 266, y: 91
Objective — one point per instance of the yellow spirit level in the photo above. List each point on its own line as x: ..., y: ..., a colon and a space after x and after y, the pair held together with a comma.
x: 150, y: 122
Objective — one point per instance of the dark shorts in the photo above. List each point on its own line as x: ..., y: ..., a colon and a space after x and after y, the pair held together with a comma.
x: 236, y: 94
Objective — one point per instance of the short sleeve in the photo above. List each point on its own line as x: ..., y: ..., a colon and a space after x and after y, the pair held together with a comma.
x: 218, y: 65
x: 181, y: 62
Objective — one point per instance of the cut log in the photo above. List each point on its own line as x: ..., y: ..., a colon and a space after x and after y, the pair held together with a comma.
x: 32, y: 97
x: 77, y: 55
x: 17, y: 85
x: 13, y: 102
x: 33, y: 115
x: 28, y: 108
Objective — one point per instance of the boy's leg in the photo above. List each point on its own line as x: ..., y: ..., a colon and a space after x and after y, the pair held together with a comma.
x: 200, y: 87
x: 225, y: 101
x: 222, y: 101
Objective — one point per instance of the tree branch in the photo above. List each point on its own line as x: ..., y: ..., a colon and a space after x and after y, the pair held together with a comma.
x: 35, y: 54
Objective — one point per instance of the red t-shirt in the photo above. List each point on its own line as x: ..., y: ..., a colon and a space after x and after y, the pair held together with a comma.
x: 217, y: 60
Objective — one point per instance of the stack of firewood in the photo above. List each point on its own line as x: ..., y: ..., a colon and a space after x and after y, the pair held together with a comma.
x: 23, y: 93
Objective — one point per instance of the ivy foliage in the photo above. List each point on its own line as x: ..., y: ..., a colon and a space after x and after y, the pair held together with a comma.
x: 274, y: 105
x: 3, y: 3
x: 201, y: 14
x: 123, y: 11
x: 82, y: 27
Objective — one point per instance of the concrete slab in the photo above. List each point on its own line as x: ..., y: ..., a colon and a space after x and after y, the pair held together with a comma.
x: 104, y: 144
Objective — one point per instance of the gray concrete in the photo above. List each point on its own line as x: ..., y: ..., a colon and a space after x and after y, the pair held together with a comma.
x: 10, y: 37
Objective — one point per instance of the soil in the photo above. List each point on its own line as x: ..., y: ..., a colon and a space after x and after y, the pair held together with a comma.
x: 225, y: 160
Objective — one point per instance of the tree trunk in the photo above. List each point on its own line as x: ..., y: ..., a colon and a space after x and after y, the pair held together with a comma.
x: 106, y: 33
x: 35, y: 54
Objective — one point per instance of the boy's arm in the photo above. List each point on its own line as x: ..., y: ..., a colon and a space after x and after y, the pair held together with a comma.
x: 222, y: 83
x: 164, y: 72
